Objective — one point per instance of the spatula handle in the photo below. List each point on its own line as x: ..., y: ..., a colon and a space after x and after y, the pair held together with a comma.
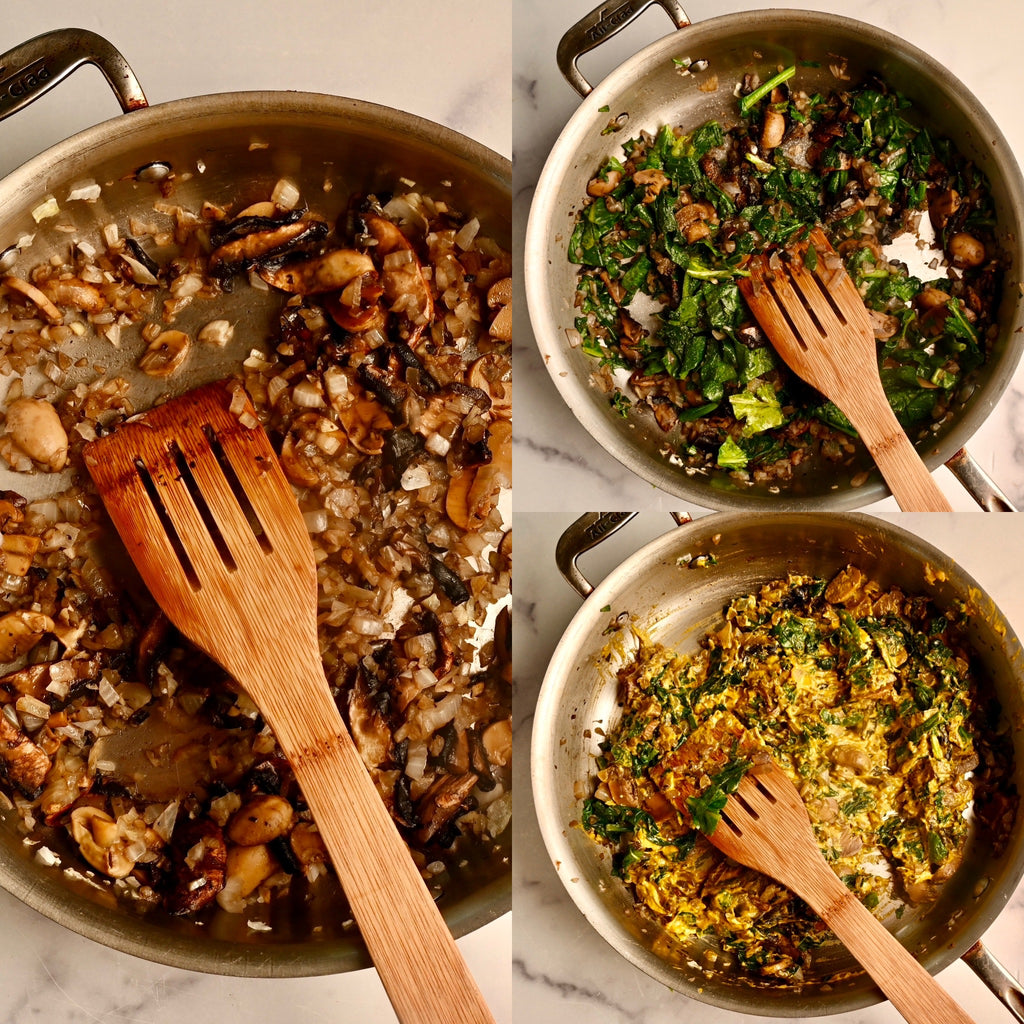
x: 909, y: 479
x: 422, y: 969
x: 908, y: 986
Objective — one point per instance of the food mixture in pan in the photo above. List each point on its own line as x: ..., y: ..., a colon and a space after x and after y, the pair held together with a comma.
x: 666, y: 230
x: 869, y: 699
x: 385, y: 387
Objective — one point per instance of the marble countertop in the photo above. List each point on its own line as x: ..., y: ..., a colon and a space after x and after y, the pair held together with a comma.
x: 390, y: 53
x: 563, y: 969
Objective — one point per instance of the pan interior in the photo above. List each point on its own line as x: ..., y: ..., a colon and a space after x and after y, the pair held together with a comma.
x: 230, y: 150
x: 647, y: 92
x: 675, y: 606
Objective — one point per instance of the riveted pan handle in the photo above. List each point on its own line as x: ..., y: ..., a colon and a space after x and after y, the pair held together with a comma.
x: 1005, y: 986
x: 35, y: 67
x: 585, y: 533
x: 978, y: 483
x: 601, y: 24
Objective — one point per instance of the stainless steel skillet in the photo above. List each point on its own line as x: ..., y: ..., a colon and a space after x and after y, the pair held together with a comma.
x: 647, y: 91
x: 232, y: 146
x: 676, y: 605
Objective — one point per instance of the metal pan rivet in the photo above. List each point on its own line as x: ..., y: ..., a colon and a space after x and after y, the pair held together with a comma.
x: 154, y: 172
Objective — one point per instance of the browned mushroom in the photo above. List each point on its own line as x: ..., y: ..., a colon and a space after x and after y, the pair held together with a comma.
x: 368, y: 725
x: 199, y: 857
x: 405, y: 287
x: 269, y: 239
x: 773, y: 129
x: 21, y: 761
x: 441, y: 802
x: 330, y: 272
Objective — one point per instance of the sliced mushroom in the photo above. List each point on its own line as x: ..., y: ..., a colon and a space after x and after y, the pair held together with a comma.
x: 101, y: 843
x: 199, y: 857
x: 34, y: 426
x: 365, y: 422
x: 165, y: 354
x: 368, y: 725
x: 308, y: 847
x: 942, y: 207
x: 328, y: 273
x: 405, y: 287
x: 261, y: 820
x: 24, y: 763
x: 75, y: 293
x: 693, y: 220
x: 499, y: 297
x: 35, y: 296
x: 245, y: 869
x: 18, y: 551
x: 497, y: 740
x: 603, y: 186
x: 259, y: 244
x: 653, y: 180
x: 773, y: 129
x: 492, y: 374
x: 441, y: 802
x: 20, y: 631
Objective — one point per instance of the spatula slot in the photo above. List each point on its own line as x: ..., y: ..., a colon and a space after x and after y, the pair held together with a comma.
x: 783, y: 310
x: 202, y: 507
x: 241, y: 496
x: 167, y: 523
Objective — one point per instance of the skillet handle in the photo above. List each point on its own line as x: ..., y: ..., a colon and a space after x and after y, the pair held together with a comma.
x: 978, y: 483
x: 35, y: 67
x: 601, y: 24
x: 1004, y: 985
x: 587, y: 532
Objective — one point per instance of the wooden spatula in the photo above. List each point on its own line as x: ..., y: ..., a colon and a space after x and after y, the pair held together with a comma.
x: 766, y: 827
x: 817, y: 322
x: 206, y: 513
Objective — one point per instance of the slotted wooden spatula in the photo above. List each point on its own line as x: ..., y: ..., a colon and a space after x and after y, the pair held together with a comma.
x: 209, y: 519
x: 819, y: 325
x: 766, y: 827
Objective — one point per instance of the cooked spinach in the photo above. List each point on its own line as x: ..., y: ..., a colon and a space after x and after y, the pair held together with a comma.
x: 675, y: 219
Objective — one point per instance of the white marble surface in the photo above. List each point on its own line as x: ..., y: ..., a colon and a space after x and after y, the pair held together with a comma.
x: 563, y: 969
x: 979, y: 42
x: 446, y: 60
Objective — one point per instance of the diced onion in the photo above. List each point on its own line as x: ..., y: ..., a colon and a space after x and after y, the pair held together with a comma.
x: 88, y: 191
x: 465, y: 235
x: 306, y: 394
x: 47, y: 208
x: 29, y: 705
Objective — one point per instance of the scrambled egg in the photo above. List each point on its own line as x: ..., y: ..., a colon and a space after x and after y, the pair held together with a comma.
x: 866, y: 699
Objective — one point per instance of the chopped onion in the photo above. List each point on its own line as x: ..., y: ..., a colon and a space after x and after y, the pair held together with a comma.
x: 306, y: 394
x: 88, y: 191
x: 29, y: 705
x: 415, y: 477
x: 465, y: 235
x: 286, y: 194
x: 316, y: 521
x: 47, y: 208
x: 217, y: 332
